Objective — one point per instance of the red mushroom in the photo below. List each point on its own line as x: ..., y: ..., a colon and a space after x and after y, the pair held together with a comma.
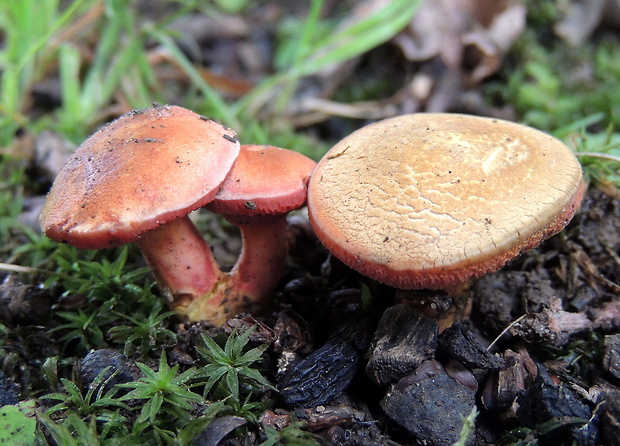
x: 137, y: 178
x: 265, y: 183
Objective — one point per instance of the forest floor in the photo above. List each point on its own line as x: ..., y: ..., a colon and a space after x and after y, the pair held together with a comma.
x: 89, y: 353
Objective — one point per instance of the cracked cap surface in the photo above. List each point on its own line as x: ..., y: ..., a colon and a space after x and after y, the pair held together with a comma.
x: 144, y: 169
x: 433, y: 200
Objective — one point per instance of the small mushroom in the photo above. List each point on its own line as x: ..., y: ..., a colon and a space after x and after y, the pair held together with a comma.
x: 136, y: 179
x: 265, y: 183
x: 431, y: 201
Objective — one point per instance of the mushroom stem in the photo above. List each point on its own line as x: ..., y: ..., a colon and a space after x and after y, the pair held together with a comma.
x: 247, y: 286
x: 262, y: 258
x: 182, y: 262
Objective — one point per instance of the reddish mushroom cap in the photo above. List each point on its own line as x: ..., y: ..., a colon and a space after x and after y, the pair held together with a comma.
x: 433, y: 200
x: 142, y: 170
x: 264, y: 180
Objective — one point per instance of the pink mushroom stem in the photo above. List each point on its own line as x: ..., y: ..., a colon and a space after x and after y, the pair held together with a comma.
x: 182, y: 262
x: 263, y: 256
x: 191, y: 279
x: 248, y: 286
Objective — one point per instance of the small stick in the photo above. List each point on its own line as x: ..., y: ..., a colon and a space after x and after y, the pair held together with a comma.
x: 21, y: 269
x: 29, y: 270
x: 599, y: 155
x: 505, y: 330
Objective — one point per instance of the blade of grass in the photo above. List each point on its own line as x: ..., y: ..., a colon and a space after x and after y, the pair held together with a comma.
x: 221, y: 111
x: 28, y: 27
x: 361, y: 36
x: 337, y: 47
x: 69, y: 68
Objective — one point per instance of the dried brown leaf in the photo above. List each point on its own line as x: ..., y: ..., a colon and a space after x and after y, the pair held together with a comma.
x: 580, y: 20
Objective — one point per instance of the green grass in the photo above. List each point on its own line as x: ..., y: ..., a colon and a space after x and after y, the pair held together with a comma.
x: 26, y: 54
x: 12, y: 180
x: 228, y: 370
x: 107, y: 298
x: 552, y: 84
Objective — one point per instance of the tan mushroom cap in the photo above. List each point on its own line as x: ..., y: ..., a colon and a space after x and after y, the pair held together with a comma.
x: 433, y: 200
x: 142, y: 170
x: 264, y: 180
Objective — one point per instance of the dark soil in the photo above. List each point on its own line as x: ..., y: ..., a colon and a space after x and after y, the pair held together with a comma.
x: 549, y: 376
x: 538, y: 358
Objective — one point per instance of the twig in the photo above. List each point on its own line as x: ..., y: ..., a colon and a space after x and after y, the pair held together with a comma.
x: 21, y: 269
x: 599, y: 155
x: 505, y: 330
x: 29, y: 270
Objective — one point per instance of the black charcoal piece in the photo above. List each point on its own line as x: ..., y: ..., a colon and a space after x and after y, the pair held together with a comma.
x: 608, y: 411
x: 459, y: 343
x: 403, y: 340
x: 325, y: 373
x: 611, y: 356
x: 217, y: 430
x: 429, y: 405
x: 97, y: 360
x: 546, y: 402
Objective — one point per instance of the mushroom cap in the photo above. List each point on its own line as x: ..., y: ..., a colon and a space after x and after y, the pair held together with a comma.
x: 264, y: 180
x: 429, y: 201
x: 144, y: 169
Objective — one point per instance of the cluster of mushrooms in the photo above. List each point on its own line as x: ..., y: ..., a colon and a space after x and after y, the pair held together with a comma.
x: 422, y: 201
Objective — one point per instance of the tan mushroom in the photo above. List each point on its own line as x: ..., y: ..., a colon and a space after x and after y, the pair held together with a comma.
x: 430, y: 201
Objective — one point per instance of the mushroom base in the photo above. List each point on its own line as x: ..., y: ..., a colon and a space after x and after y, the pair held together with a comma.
x: 224, y: 302
x: 443, y: 308
x: 191, y: 280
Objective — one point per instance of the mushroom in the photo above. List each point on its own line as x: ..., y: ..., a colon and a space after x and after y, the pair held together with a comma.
x: 431, y: 201
x: 265, y: 183
x: 135, y: 180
